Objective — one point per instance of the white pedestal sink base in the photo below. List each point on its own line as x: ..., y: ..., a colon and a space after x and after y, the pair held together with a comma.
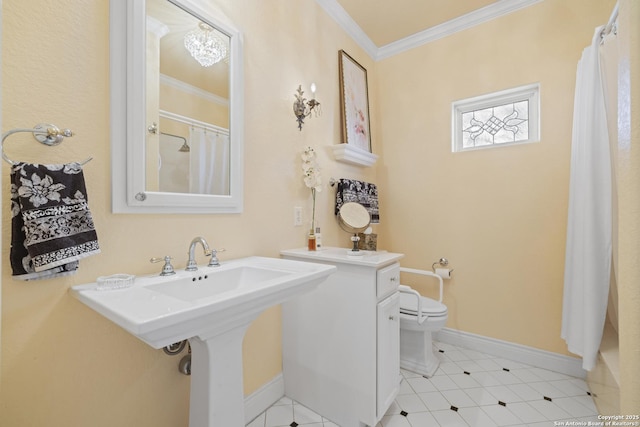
x: 213, y: 306
x: 217, y: 389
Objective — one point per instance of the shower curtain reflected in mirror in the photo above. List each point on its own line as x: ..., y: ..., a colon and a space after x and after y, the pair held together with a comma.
x: 209, y: 164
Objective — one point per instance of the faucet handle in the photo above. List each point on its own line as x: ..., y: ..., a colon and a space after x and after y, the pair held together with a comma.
x: 214, y: 262
x: 167, y: 268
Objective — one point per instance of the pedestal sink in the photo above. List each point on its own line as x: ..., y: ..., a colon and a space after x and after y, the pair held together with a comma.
x: 212, y: 308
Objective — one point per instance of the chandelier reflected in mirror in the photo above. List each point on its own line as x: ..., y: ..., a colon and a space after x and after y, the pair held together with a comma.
x: 205, y: 45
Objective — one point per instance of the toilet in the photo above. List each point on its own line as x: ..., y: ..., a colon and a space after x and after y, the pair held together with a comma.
x: 419, y: 317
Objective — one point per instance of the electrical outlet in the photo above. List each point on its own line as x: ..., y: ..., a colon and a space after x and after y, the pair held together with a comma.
x: 297, y: 216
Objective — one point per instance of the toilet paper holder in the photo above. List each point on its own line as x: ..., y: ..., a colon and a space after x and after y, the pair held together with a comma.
x: 442, y: 262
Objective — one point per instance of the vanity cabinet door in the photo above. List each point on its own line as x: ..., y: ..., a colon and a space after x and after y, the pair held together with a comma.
x: 388, y: 349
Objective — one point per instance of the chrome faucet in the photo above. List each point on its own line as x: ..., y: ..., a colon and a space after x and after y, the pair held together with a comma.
x: 191, y: 264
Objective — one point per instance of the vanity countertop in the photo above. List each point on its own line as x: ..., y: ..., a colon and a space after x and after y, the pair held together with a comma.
x: 374, y: 259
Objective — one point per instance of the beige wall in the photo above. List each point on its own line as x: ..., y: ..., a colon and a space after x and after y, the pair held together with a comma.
x: 498, y: 215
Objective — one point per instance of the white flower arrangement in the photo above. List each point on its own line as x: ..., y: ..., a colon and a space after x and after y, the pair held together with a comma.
x: 312, y: 178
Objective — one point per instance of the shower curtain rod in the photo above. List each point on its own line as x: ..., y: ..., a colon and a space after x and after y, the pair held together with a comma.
x: 192, y: 122
x: 611, y: 24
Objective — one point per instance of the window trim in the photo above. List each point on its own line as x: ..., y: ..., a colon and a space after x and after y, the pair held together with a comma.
x: 529, y: 93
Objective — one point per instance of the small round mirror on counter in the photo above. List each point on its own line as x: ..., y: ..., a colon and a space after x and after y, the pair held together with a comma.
x: 354, y: 218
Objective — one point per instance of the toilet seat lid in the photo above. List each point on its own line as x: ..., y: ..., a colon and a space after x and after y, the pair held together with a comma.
x: 409, y: 305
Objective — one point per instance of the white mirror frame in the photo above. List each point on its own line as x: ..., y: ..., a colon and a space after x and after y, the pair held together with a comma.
x: 127, y: 29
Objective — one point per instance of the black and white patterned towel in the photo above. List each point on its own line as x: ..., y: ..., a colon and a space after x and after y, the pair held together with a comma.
x: 365, y: 193
x: 51, y: 226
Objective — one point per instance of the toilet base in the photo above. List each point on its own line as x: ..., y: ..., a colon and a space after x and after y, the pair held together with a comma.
x: 416, y: 352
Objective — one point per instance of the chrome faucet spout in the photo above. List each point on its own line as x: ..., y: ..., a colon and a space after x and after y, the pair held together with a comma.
x: 191, y: 264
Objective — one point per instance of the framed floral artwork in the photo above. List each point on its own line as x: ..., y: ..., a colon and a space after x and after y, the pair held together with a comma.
x: 354, y: 103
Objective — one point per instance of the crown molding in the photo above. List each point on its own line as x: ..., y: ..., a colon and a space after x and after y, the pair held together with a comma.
x: 464, y: 22
x: 344, y: 20
x: 193, y: 90
x: 461, y: 23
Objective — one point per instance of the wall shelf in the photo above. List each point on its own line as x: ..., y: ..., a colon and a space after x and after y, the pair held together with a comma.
x: 353, y: 155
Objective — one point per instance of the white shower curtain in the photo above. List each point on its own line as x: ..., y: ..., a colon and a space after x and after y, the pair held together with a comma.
x: 588, y: 249
x: 209, y: 168
x: 609, y: 73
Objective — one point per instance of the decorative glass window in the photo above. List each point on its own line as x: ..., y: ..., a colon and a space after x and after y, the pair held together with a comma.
x: 501, y: 118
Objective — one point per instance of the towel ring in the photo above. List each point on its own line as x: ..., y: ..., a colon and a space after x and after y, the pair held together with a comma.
x: 44, y: 133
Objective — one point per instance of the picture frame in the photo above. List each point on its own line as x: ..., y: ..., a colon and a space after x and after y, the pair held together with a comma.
x: 354, y: 103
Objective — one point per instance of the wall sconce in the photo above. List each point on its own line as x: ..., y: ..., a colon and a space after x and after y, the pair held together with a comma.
x: 300, y: 105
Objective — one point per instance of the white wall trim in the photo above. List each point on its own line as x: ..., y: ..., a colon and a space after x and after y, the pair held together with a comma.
x: 461, y: 23
x: 192, y: 90
x: 260, y: 400
x: 487, y: 13
x: 344, y: 20
x: 528, y: 355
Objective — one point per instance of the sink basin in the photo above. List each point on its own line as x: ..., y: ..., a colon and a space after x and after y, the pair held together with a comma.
x: 164, y: 310
x: 217, y: 282
x: 212, y: 308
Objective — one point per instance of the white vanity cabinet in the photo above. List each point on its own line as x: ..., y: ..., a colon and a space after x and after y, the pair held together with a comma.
x: 341, y: 342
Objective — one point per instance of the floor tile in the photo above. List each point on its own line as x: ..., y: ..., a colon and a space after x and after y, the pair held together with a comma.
x: 449, y: 418
x: 458, y: 398
x: 284, y: 401
x: 444, y: 346
x: 547, y: 375
x: 405, y: 388
x: 279, y: 415
x: 469, y: 366
x: 421, y: 384
x: 304, y: 415
x: 451, y: 367
x: 494, y: 392
x: 443, y: 382
x: 257, y: 422
x: 587, y: 401
x: 569, y: 387
x: 475, y: 355
x: 501, y: 415
x: 511, y: 364
x: 435, y: 401
x: 481, y: 396
x: 546, y: 389
x: 421, y: 419
x: 488, y: 364
x: 549, y: 410
x: 504, y: 394
x: 506, y: 378
x: 409, y: 374
x: 464, y: 380
x: 395, y: 421
x: 525, y: 392
x: 476, y: 417
x: 485, y: 379
x: 574, y: 407
x: 456, y: 355
x: 526, y: 413
x: 411, y: 403
x: 526, y: 375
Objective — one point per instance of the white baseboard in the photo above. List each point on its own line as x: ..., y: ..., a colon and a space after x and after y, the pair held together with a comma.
x: 260, y: 400
x: 528, y: 355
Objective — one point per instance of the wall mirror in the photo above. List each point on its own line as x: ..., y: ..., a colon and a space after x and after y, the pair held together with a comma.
x: 176, y: 108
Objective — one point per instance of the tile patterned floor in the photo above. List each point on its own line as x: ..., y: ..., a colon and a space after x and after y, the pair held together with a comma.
x: 470, y: 389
